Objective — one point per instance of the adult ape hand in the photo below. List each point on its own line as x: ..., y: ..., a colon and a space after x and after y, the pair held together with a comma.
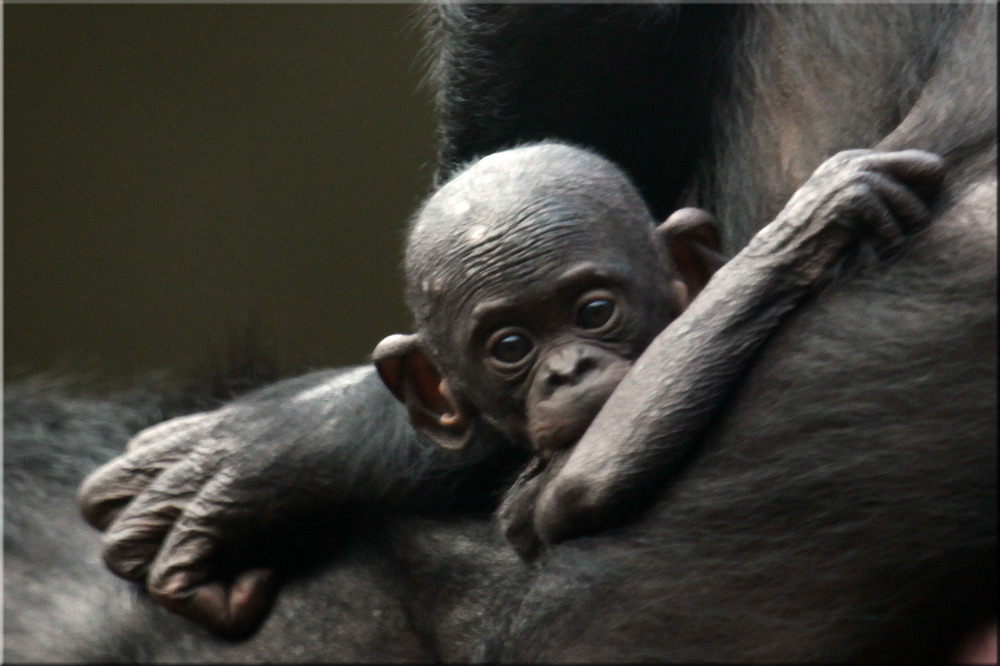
x: 190, y: 492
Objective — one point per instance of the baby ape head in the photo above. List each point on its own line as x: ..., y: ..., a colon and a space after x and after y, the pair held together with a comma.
x: 536, y: 276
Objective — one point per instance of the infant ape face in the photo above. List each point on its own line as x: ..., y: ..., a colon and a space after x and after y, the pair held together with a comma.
x: 543, y: 323
x: 536, y: 277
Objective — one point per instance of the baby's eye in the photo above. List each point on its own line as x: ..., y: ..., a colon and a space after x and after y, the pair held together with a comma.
x: 595, y: 313
x: 510, y: 348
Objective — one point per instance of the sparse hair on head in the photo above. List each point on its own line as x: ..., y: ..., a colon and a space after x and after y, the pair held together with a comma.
x: 499, y: 196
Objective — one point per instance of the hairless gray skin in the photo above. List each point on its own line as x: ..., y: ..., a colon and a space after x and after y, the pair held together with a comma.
x: 539, y: 282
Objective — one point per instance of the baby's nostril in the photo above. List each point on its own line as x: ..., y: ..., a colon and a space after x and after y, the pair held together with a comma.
x: 556, y: 379
x: 585, y: 365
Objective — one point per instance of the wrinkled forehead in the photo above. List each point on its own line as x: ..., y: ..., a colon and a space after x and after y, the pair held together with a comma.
x: 525, y: 255
x: 517, y: 219
x: 486, y: 259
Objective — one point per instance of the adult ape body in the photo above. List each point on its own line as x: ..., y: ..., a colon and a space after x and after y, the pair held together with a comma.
x: 845, y: 504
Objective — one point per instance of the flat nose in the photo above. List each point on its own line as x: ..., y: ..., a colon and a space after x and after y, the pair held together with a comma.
x: 569, y: 365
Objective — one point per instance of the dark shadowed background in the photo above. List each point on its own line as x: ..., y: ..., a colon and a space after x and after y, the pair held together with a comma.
x: 174, y: 174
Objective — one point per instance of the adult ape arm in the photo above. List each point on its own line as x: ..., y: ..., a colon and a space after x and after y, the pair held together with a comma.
x: 325, y: 449
x: 661, y: 407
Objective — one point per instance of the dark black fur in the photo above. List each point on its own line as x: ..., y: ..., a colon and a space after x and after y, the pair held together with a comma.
x: 844, y: 507
x: 598, y: 82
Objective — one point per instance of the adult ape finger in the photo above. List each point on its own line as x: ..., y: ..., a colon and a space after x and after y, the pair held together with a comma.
x: 107, y: 490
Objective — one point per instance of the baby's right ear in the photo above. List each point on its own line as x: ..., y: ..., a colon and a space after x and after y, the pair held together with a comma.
x: 406, y: 369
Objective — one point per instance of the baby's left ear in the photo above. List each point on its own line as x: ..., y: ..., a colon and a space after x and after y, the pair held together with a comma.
x: 691, y: 237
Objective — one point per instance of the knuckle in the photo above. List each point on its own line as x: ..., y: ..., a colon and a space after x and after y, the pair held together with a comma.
x: 844, y: 159
x: 100, y: 510
x: 142, y: 439
x: 125, y: 555
x: 156, y: 433
x: 165, y: 587
x: 854, y: 194
x: 101, y: 497
x: 202, y: 513
x: 96, y: 484
x: 91, y: 498
x: 177, y: 433
x: 133, y: 540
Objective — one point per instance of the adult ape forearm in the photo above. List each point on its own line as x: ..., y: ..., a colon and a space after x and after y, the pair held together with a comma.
x: 664, y: 403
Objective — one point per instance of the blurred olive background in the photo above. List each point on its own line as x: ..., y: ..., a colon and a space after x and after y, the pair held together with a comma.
x: 175, y: 174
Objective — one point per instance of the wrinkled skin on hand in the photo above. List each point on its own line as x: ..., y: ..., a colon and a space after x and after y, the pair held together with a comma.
x: 195, y: 489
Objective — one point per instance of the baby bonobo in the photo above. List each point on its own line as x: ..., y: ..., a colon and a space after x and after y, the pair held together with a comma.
x: 542, y: 290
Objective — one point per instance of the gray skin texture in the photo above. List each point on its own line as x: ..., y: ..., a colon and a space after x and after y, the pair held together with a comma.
x: 506, y: 263
x: 843, y: 504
